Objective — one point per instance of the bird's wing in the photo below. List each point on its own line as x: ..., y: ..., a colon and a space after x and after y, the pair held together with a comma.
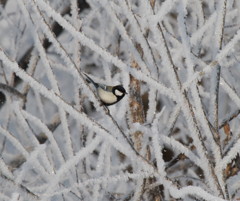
x: 106, y: 88
x: 89, y: 80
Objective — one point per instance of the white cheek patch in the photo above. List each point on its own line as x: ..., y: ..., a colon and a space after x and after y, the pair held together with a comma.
x: 118, y: 93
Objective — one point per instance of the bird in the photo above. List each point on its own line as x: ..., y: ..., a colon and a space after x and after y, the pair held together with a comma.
x: 109, y: 95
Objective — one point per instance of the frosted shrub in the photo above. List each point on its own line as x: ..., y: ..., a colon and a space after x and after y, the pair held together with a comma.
x: 174, y: 136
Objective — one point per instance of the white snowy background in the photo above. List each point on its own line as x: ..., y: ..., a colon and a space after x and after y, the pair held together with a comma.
x: 174, y: 136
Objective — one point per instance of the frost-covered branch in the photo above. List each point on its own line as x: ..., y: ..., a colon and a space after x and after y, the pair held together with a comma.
x: 173, y: 136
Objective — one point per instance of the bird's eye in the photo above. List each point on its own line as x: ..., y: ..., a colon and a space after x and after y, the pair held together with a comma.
x: 118, y: 93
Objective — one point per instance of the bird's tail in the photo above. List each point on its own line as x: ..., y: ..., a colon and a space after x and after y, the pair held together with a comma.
x: 89, y: 80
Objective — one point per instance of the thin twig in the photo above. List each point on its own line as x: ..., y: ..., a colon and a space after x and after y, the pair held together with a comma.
x: 12, y: 91
x: 80, y: 198
x: 230, y: 118
x: 5, y: 181
x: 217, y: 73
x: 216, y: 95
x: 31, y: 69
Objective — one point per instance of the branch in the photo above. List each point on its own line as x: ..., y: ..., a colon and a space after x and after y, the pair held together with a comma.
x: 6, y: 181
x: 230, y: 118
x: 12, y: 91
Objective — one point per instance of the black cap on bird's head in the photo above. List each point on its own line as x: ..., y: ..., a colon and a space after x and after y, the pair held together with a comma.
x: 119, y: 91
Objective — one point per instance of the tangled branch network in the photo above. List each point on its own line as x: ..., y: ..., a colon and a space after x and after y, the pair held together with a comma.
x: 174, y: 134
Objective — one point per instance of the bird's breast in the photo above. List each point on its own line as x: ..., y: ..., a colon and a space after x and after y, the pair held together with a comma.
x: 106, y: 97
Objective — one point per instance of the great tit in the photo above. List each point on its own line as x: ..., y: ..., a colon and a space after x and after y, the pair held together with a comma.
x: 109, y: 95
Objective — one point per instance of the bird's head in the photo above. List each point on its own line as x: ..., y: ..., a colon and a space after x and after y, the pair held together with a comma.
x: 119, y: 91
